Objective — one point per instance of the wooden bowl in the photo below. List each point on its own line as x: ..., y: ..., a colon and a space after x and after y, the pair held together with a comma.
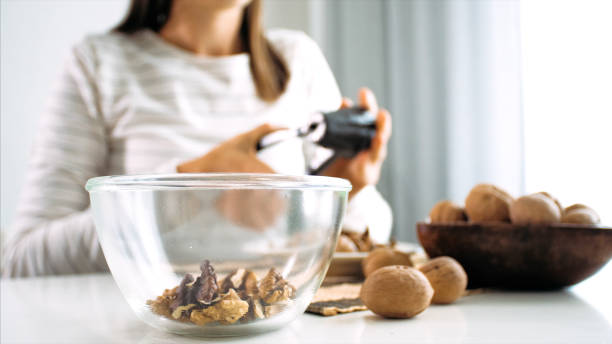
x: 533, y: 257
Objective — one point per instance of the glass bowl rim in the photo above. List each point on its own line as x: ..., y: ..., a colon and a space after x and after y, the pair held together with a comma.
x: 210, y: 181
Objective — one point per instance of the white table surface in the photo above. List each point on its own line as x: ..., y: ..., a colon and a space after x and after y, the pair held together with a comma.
x: 90, y: 309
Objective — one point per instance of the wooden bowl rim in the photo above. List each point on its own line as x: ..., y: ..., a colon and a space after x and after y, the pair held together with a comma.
x: 510, y: 226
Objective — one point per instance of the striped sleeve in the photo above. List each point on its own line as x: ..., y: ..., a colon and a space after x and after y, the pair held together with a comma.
x: 53, y: 232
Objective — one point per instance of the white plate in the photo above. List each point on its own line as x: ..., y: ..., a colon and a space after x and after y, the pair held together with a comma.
x: 401, y: 246
x: 349, y: 263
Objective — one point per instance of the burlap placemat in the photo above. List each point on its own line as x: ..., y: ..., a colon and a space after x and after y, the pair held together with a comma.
x: 336, y: 299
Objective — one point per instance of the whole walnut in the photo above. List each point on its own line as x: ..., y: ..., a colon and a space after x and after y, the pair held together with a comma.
x: 554, y: 199
x: 447, y: 278
x: 345, y: 244
x: 396, y: 292
x: 487, y: 202
x: 384, y: 256
x: 580, y: 214
x: 535, y: 208
x: 447, y: 211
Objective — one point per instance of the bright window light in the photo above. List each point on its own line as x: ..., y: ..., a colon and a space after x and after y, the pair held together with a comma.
x: 567, y: 94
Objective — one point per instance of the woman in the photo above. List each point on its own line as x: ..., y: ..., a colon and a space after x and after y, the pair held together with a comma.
x: 179, y: 86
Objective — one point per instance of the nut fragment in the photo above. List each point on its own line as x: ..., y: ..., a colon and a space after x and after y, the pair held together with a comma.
x: 447, y: 278
x: 182, y: 311
x: 447, y: 211
x: 535, y: 208
x: 363, y: 241
x: 274, y: 288
x: 206, y: 287
x: 161, y: 305
x: 240, y: 297
x: 345, y: 244
x: 384, y: 256
x: 197, y: 317
x: 203, y: 290
x: 227, y: 311
x: 248, y: 287
x: 396, y: 292
x: 183, y: 295
x: 487, y: 202
x: 231, y: 281
x: 256, y: 309
x: 580, y: 214
x: 243, y: 281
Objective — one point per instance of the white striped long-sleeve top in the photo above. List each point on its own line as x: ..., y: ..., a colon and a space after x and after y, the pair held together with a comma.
x: 134, y: 104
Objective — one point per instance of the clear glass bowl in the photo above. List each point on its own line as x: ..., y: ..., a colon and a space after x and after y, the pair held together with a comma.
x: 156, y: 229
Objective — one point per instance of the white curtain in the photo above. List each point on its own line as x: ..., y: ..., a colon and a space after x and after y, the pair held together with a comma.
x: 449, y: 72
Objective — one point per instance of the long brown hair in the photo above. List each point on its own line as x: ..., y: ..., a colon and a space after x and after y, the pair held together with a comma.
x: 268, y: 68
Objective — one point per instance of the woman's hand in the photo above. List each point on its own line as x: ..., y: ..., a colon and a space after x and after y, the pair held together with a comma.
x: 364, y: 168
x: 254, y: 209
x: 238, y: 154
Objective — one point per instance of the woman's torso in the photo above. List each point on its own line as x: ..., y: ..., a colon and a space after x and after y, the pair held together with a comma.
x: 162, y: 105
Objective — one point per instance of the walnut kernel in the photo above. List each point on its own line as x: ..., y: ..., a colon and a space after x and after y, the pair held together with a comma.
x: 273, y: 288
x: 240, y: 298
x: 227, y: 311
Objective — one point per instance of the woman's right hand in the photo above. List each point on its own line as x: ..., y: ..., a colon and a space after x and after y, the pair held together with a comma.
x: 255, y: 209
x: 238, y: 154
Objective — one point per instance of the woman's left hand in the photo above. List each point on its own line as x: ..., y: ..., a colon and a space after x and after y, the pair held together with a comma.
x: 364, y: 168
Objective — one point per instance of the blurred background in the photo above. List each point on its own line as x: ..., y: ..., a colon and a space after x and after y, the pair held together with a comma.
x: 514, y: 93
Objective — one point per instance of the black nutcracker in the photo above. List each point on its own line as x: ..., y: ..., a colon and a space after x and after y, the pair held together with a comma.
x: 347, y: 132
